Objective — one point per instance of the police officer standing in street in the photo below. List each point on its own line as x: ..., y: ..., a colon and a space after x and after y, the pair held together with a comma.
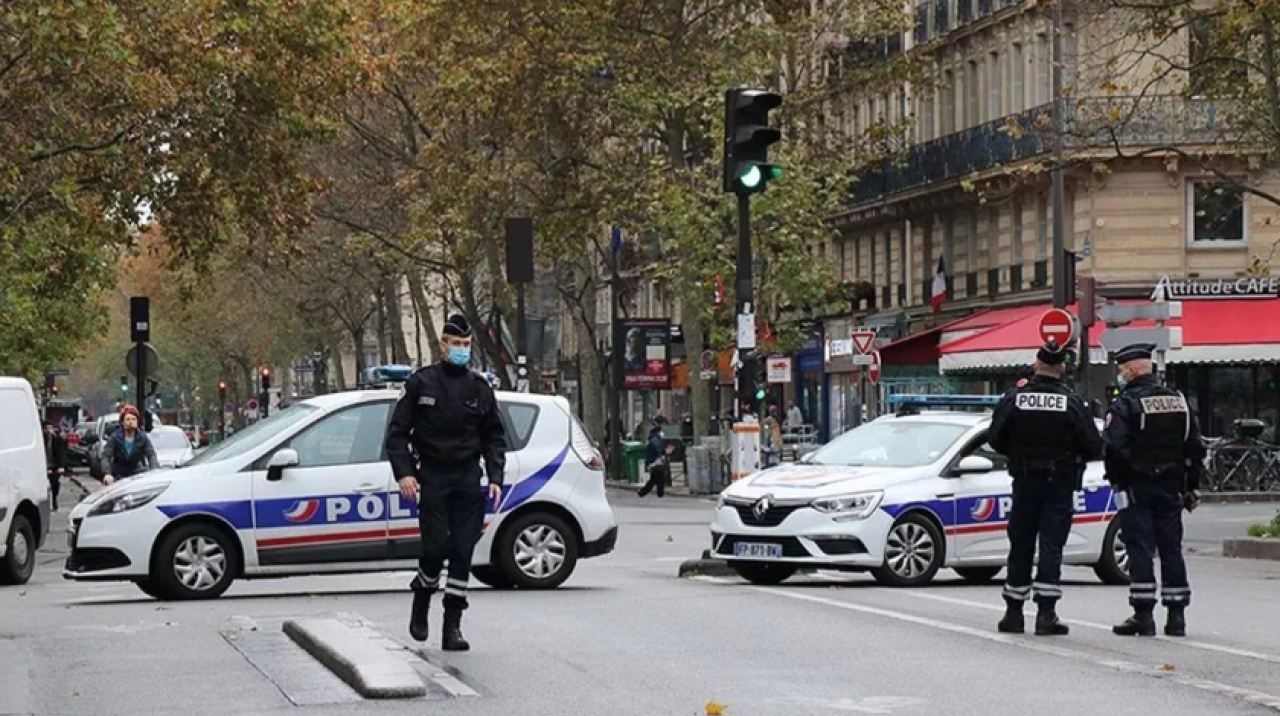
x: 447, y: 418
x: 1154, y: 457
x: 1048, y: 435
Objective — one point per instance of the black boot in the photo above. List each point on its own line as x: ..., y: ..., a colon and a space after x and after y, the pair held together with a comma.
x: 418, y: 615
x: 1012, y: 622
x: 453, y: 640
x: 1140, y: 624
x: 1047, y: 622
x: 1177, y: 622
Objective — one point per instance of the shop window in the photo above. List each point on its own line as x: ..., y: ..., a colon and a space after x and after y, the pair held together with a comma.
x: 1267, y: 391
x: 1217, y: 213
x: 1230, y: 399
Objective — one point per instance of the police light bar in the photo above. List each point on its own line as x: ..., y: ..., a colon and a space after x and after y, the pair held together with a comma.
x: 938, y: 401
x: 388, y: 374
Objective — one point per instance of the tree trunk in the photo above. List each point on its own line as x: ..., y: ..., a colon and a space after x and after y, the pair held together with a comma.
x: 395, y: 317
x: 699, y: 394
x: 425, y: 319
x: 382, y: 325
x: 339, y: 380
x: 481, y: 336
x: 356, y: 340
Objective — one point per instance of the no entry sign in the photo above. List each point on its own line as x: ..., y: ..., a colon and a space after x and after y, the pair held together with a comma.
x: 873, y: 370
x: 1057, y: 325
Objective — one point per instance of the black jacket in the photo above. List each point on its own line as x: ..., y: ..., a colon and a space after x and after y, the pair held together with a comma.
x: 655, y: 452
x: 55, y: 451
x: 1160, y: 445
x: 1044, y: 429
x: 449, y: 416
x: 120, y: 463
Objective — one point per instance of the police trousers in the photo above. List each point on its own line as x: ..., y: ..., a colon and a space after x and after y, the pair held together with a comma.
x: 1152, y: 524
x: 451, y: 504
x: 1041, y: 516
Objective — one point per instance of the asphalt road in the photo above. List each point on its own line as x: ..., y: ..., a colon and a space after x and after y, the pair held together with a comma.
x: 625, y: 636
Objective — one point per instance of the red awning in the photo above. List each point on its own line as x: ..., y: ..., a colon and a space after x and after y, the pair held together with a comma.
x: 1213, y: 331
x: 922, y: 348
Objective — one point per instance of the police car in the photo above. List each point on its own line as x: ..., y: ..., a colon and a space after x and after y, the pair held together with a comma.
x: 901, y: 497
x: 309, y: 490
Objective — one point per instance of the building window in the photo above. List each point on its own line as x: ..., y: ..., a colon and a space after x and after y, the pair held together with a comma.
x: 1017, y: 92
x: 1042, y: 228
x: 1217, y: 213
x: 948, y: 92
x: 857, y: 258
x: 1205, y: 59
x: 1042, y: 61
x: 972, y: 248
x: 949, y: 244
x: 993, y: 85
x: 972, y: 91
x: 926, y: 118
x: 888, y: 259
x: 1017, y: 232
x: 871, y: 246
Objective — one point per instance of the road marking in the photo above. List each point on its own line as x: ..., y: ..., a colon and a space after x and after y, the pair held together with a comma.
x: 1254, y: 697
x: 871, y: 705
x: 1245, y: 653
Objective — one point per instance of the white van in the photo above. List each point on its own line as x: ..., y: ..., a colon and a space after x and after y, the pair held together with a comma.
x: 309, y: 490
x: 24, y: 482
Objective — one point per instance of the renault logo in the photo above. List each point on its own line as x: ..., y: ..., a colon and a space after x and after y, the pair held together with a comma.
x: 762, y: 506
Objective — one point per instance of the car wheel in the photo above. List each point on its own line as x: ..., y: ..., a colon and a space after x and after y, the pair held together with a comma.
x: 1113, y: 566
x: 913, y: 553
x: 195, y: 561
x: 763, y: 573
x: 492, y: 577
x: 150, y: 589
x: 20, y: 558
x: 537, y: 550
x: 978, y: 575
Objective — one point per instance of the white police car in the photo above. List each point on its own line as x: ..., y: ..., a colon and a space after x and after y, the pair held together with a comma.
x: 902, y: 497
x: 310, y: 491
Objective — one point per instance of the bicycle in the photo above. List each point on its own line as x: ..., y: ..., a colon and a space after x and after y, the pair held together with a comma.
x: 1243, y: 463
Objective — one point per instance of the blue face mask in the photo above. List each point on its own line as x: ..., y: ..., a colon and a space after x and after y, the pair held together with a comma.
x: 459, y: 355
x: 1120, y: 381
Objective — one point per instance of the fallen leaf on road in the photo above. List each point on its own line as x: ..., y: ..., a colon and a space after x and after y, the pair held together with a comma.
x: 670, y: 538
x: 715, y: 709
x: 22, y: 594
x: 1167, y: 667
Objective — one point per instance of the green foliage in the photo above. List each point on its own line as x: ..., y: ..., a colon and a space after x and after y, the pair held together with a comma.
x: 1266, y: 529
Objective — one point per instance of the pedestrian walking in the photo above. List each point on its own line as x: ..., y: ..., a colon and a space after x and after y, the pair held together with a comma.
x: 445, y: 423
x: 1154, y: 457
x: 55, y: 456
x: 657, y: 459
x: 128, y: 452
x: 1048, y: 435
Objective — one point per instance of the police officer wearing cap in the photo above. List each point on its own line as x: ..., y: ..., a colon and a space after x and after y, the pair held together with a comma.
x: 444, y: 424
x: 1048, y: 435
x: 1154, y: 457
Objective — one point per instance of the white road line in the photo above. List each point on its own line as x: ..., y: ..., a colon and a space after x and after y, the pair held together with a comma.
x: 1102, y: 627
x: 1254, y: 697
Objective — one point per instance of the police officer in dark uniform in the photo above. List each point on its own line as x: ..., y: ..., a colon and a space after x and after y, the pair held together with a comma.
x: 447, y: 417
x: 1048, y: 435
x: 1154, y: 457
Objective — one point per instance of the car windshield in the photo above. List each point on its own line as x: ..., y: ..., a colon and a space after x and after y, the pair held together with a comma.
x: 895, y: 443
x: 255, y: 435
x: 169, y: 440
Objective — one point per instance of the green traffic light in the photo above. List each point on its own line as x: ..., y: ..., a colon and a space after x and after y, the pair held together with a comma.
x: 752, y: 177
x: 774, y: 173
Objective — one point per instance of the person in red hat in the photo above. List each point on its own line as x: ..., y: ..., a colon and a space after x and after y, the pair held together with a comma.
x: 128, y: 451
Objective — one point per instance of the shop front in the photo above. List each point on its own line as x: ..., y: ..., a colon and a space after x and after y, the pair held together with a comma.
x: 1228, y: 365
x: 810, y: 374
x: 843, y: 381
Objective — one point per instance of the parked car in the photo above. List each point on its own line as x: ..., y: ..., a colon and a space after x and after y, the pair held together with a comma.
x: 173, y: 448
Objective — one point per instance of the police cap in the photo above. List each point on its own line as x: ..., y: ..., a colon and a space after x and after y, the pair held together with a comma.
x: 457, y: 326
x: 1051, y: 353
x: 1136, y: 351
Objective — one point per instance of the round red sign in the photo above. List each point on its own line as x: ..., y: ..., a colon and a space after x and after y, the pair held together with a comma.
x: 1057, y: 325
x: 873, y: 371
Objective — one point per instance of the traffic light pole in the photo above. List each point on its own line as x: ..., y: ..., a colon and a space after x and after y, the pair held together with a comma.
x: 747, y: 356
x: 1058, y: 189
x: 141, y: 390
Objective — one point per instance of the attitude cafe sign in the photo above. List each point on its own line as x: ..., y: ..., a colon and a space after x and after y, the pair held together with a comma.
x: 1219, y: 288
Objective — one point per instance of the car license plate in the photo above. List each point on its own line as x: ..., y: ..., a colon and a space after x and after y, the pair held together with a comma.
x: 757, y: 550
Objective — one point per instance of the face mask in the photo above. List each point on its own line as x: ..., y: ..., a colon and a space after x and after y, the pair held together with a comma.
x: 459, y: 355
x: 1120, y: 381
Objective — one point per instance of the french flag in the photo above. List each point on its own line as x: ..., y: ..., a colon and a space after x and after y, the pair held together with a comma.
x: 939, y: 286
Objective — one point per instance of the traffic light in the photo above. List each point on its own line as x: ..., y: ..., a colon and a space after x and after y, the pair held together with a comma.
x: 222, y: 392
x: 124, y: 384
x: 266, y: 379
x: 747, y: 136
x: 54, y: 389
x: 762, y: 379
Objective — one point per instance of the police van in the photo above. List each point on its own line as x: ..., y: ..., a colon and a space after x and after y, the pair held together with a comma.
x: 902, y: 497
x: 309, y: 490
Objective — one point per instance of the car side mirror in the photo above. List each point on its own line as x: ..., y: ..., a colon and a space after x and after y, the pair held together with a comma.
x: 285, y: 457
x: 974, y: 464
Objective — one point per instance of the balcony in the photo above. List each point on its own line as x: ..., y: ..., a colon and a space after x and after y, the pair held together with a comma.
x: 1091, y: 123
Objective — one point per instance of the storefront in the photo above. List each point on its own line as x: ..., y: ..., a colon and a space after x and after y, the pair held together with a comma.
x: 1228, y: 365
x: 843, y: 381
x: 808, y: 382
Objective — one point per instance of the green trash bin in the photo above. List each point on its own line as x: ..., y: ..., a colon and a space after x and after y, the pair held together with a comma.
x: 633, y: 462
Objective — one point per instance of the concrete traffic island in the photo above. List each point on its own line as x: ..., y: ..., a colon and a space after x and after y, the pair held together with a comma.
x: 704, y: 567
x: 1252, y: 548
x: 364, y: 665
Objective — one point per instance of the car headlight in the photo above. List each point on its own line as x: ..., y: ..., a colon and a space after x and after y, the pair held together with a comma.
x: 126, y: 501
x: 849, y: 507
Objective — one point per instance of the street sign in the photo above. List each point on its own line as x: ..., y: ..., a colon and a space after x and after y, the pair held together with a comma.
x: 1118, y: 314
x: 862, y: 359
x: 57, y: 371
x: 863, y: 340
x: 1057, y: 325
x: 251, y: 405
x: 873, y: 372
x: 1169, y: 337
x: 151, y: 360
x: 779, y: 370
x: 708, y: 361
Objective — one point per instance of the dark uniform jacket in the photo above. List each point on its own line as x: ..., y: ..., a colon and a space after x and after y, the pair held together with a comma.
x: 122, y: 463
x: 1153, y: 437
x: 1045, y: 430
x: 447, y: 416
x: 655, y: 451
x: 55, y: 452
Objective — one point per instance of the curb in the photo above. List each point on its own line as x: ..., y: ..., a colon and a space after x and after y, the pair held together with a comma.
x: 364, y: 666
x: 1234, y: 498
x: 671, y: 491
x: 1252, y: 548
x: 705, y: 568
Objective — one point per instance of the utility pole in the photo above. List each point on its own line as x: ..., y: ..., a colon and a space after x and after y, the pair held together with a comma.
x: 1058, y: 183
x: 520, y: 273
x: 615, y: 356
